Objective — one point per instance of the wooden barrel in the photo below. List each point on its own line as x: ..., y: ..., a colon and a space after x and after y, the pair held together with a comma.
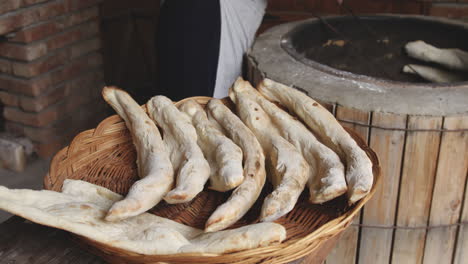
x: 420, y: 133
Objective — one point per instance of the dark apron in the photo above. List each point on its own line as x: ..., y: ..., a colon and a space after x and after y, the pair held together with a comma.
x: 188, y: 43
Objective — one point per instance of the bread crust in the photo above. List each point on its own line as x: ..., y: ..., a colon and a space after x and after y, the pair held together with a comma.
x: 154, y: 167
x: 358, y: 174
x: 180, y: 137
x: 224, y: 157
x: 326, y: 179
x: 286, y: 167
x: 245, y: 195
x: 80, y: 208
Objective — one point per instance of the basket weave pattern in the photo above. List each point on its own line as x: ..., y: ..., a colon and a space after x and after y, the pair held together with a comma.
x: 106, y: 156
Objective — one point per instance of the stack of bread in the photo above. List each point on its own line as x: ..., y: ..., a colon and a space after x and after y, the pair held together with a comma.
x: 180, y: 149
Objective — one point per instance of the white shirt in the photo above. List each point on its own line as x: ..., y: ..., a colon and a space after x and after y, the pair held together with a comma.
x: 240, y: 20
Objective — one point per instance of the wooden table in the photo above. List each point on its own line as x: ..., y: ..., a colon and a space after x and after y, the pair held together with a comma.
x: 22, y: 241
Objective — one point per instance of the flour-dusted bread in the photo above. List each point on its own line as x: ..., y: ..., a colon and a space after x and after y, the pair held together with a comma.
x: 244, y: 196
x: 187, y: 158
x: 326, y: 172
x: 359, y: 175
x: 433, y: 74
x: 154, y: 166
x: 81, y: 207
x: 454, y: 59
x: 286, y: 167
x: 224, y: 157
x: 242, y: 238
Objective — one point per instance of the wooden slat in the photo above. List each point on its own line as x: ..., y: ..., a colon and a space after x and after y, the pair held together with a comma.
x: 346, y: 249
x: 461, y: 250
x: 448, y: 192
x: 417, y: 182
x: 376, y: 243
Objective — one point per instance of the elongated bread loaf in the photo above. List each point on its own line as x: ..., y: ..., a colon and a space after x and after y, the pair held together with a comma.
x: 454, y: 59
x: 186, y: 156
x: 359, y: 175
x: 326, y: 173
x: 286, y: 167
x: 154, y: 166
x: 244, y: 196
x: 433, y: 74
x: 81, y: 207
x: 224, y: 157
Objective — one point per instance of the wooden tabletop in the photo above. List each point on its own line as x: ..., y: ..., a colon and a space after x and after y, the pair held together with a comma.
x: 22, y: 241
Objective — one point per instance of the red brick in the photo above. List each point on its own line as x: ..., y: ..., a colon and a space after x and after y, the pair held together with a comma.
x: 6, y: 6
x: 15, y: 85
x: 449, y: 10
x: 10, y: 5
x: 68, y: 37
x: 5, y: 66
x: 289, y: 5
x: 327, y: 7
x: 86, y: 117
x: 36, y: 86
x: 408, y: 7
x: 42, y: 30
x: 48, y: 140
x: 23, y: 52
x: 37, y: 104
x: 79, y: 96
x: 80, y: 4
x: 39, y: 67
x: 88, y: 84
x: 27, y: 16
x: 82, y: 85
x: 49, y: 62
x: 47, y: 116
x: 37, y: 50
x: 84, y: 47
x: 368, y: 6
x: 14, y: 114
x: 33, y: 33
x: 9, y: 99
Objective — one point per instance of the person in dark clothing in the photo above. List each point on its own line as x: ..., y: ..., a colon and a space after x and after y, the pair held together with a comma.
x: 201, y: 43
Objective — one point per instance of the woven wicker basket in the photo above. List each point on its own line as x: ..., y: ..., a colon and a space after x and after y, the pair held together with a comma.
x: 105, y: 156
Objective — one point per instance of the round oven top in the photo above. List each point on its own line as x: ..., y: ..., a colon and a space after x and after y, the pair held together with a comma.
x: 359, y: 63
x: 370, y: 45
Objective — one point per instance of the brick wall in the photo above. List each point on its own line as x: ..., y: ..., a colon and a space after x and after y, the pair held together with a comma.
x: 281, y: 11
x: 50, y: 69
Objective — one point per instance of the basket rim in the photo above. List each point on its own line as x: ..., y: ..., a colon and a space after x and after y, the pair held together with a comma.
x: 330, y: 228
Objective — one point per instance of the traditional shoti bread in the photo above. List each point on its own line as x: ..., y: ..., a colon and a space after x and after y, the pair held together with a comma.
x: 286, y: 167
x: 154, y: 167
x: 454, y: 59
x: 81, y: 207
x: 224, y: 157
x: 187, y: 158
x: 244, y: 196
x: 433, y: 74
x: 358, y: 175
x: 326, y: 173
